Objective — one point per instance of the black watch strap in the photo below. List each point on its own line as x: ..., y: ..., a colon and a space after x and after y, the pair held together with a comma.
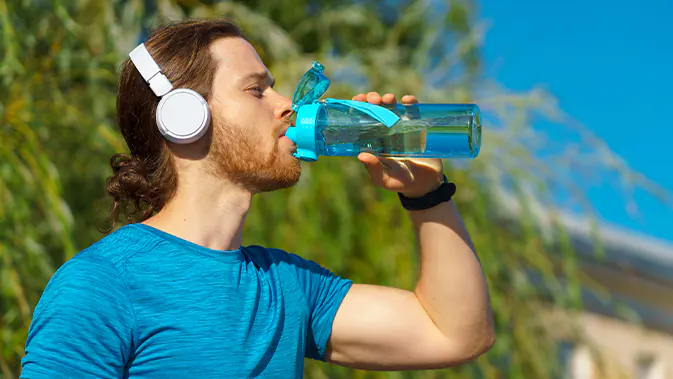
x: 429, y: 200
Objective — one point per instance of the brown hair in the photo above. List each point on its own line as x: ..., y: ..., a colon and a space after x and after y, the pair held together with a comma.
x: 145, y: 180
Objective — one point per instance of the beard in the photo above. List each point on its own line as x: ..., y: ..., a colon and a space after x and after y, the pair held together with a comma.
x: 236, y: 156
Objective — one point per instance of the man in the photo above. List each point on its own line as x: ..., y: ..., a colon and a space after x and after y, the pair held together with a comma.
x: 176, y: 295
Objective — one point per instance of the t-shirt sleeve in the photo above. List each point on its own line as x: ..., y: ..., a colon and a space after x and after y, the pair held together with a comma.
x: 82, y: 326
x: 324, y: 292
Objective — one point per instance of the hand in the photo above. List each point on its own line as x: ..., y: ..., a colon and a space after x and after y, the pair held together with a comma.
x: 412, y: 177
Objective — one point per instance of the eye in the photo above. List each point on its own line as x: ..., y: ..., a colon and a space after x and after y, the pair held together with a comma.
x: 256, y: 91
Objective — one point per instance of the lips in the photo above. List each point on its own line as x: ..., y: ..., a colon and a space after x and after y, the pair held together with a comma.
x: 283, y: 131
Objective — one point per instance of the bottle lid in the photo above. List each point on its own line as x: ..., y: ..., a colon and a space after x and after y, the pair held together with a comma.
x: 303, y: 133
x: 311, y: 87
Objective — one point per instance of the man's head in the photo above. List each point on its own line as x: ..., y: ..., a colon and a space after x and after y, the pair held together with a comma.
x: 244, y: 143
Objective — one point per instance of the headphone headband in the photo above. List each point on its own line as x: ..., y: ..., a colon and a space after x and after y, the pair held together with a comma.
x: 150, y: 71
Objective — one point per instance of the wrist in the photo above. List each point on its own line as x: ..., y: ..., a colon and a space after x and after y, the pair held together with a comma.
x: 442, y: 194
x: 441, y: 179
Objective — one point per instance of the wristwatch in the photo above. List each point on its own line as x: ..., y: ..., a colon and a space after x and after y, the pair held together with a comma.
x: 442, y: 194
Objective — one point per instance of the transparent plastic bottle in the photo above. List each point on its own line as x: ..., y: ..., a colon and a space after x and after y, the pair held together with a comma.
x: 333, y: 127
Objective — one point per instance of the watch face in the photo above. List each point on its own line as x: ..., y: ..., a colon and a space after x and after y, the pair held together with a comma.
x: 311, y: 87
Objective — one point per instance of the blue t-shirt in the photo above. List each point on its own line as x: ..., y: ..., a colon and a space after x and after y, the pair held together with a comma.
x: 141, y: 303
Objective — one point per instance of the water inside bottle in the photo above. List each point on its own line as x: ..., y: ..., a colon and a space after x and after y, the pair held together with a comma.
x: 452, y: 136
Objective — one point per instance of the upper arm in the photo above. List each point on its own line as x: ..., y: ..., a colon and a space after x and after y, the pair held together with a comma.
x: 324, y: 292
x: 388, y: 329
x: 82, y: 326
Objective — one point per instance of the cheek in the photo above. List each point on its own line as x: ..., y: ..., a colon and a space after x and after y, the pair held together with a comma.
x: 254, y: 120
x: 256, y: 138
x: 238, y: 107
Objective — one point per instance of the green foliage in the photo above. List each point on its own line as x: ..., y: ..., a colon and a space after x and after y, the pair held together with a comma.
x: 57, y: 127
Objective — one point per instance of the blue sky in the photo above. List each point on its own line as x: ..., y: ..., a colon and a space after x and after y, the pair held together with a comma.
x: 610, y: 64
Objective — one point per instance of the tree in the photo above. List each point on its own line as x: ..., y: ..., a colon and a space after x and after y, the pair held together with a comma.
x: 60, y: 63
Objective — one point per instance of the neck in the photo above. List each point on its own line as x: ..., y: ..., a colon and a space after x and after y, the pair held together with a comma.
x: 206, y: 211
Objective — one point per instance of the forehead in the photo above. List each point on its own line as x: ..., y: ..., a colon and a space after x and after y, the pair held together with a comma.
x: 236, y: 59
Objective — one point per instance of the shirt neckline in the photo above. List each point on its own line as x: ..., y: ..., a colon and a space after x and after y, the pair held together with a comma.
x: 222, y: 255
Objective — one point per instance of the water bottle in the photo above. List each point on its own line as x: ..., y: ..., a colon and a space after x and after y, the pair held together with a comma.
x: 333, y: 127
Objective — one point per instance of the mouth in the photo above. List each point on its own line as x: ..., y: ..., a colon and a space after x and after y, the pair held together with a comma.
x: 284, y: 130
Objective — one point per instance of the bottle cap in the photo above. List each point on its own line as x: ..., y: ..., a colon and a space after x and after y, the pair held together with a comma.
x: 311, y: 87
x: 303, y: 133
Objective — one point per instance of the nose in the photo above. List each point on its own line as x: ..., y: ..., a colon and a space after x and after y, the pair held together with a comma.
x: 283, y: 108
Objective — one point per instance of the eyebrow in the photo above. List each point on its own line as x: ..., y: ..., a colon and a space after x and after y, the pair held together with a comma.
x: 261, y: 76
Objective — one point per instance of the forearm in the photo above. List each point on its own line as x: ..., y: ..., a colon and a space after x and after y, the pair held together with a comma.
x: 451, y: 286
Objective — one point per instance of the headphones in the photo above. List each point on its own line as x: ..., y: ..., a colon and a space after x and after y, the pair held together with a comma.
x: 182, y: 114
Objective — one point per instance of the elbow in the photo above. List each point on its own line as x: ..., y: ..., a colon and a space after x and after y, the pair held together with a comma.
x: 480, y: 344
x: 464, y: 355
x: 487, y: 342
x: 483, y: 339
x: 453, y: 353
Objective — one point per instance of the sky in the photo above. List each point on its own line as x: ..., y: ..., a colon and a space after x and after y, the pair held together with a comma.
x: 610, y: 64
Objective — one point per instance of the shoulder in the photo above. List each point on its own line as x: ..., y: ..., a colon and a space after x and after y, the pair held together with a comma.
x: 113, y: 250
x: 269, y: 257
x: 86, y: 285
x: 119, y: 246
x: 285, y: 263
x: 95, y: 269
x: 99, y: 267
x: 85, y: 311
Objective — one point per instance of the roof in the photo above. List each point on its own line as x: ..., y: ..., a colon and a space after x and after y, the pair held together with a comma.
x: 649, y: 256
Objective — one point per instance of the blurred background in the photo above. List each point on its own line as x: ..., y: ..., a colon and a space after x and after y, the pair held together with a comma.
x: 569, y: 202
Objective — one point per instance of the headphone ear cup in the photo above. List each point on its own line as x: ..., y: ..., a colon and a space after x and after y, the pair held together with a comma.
x: 183, y: 116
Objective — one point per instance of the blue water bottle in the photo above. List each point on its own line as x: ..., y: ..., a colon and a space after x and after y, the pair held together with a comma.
x: 333, y: 127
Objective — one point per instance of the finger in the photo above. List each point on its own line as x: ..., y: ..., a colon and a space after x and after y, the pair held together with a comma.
x: 368, y: 159
x: 389, y: 98
x: 376, y: 170
x: 374, y: 98
x: 397, y: 167
x: 360, y: 97
x: 409, y: 102
x: 409, y: 99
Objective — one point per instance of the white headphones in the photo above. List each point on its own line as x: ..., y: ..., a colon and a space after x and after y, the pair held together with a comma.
x: 182, y: 114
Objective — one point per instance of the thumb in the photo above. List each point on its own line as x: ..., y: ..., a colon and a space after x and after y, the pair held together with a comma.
x: 376, y: 170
